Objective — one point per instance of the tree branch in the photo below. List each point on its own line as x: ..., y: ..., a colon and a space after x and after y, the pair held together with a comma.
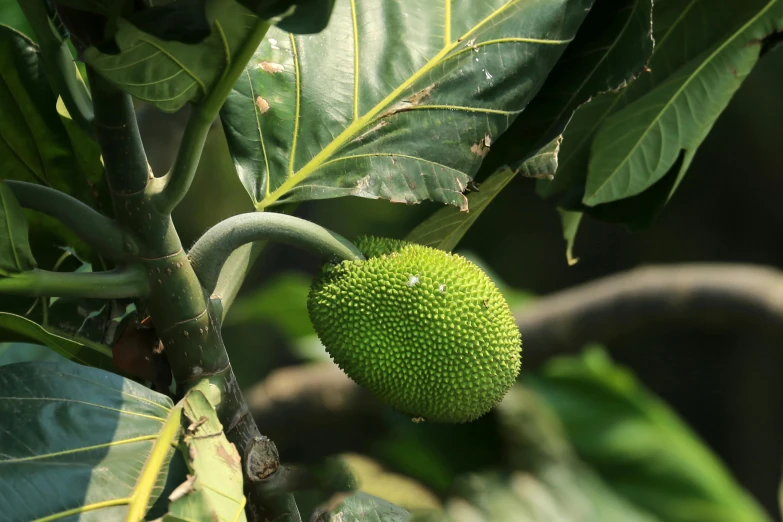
x: 176, y: 183
x: 704, y: 294
x: 124, y: 282
x: 126, y: 165
x: 97, y: 230
x: 211, y: 251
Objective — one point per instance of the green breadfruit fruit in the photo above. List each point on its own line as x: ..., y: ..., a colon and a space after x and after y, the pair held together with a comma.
x: 424, y: 330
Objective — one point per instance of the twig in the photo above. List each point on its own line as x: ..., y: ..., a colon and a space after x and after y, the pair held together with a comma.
x: 113, y: 284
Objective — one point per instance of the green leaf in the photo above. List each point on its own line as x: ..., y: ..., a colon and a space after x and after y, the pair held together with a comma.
x: 638, y: 445
x: 170, y: 74
x: 83, y: 443
x: 361, y: 507
x: 570, y: 223
x: 35, y: 144
x: 15, y: 253
x: 399, y: 100
x: 17, y: 328
x: 638, y: 145
x: 294, y: 16
x: 611, y: 47
x: 23, y: 352
x: 213, y: 489
x: 445, y: 228
x: 544, y: 480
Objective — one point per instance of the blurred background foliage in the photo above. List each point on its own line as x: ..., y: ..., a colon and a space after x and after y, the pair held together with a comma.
x: 723, y: 383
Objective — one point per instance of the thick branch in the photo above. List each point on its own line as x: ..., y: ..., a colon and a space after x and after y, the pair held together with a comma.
x: 95, y: 229
x: 177, y: 182
x: 114, y: 284
x: 711, y: 294
x: 213, y: 248
x: 126, y: 165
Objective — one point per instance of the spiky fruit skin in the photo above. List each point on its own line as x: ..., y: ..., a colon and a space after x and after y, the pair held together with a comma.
x: 424, y: 330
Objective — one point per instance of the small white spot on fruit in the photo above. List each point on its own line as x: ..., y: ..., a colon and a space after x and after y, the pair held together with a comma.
x: 412, y: 280
x: 441, y: 288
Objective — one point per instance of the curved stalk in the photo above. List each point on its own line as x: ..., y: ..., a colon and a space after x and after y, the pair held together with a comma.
x: 114, y: 284
x: 213, y: 248
x: 92, y: 227
x: 177, y: 182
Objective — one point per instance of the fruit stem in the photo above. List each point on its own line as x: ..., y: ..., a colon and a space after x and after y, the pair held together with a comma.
x: 210, y: 252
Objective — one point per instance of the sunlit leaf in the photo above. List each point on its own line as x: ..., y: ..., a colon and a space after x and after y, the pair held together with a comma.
x: 398, y: 100
x: 213, y: 489
x: 81, y: 443
x: 570, y: 223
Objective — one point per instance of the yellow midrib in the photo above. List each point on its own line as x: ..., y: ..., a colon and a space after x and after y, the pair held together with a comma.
x: 358, y: 124
x: 679, y: 92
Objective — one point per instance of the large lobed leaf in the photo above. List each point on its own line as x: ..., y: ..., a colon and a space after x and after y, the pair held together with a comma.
x: 170, y: 74
x: 398, y: 100
x: 82, y: 444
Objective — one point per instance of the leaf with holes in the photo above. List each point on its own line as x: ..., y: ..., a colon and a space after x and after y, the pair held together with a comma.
x: 445, y: 228
x: 15, y: 253
x: 639, y: 144
x: 170, y: 74
x: 398, y: 100
x: 213, y: 489
x: 84, y: 444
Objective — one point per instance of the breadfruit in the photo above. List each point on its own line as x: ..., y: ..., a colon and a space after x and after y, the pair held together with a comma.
x: 424, y: 330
